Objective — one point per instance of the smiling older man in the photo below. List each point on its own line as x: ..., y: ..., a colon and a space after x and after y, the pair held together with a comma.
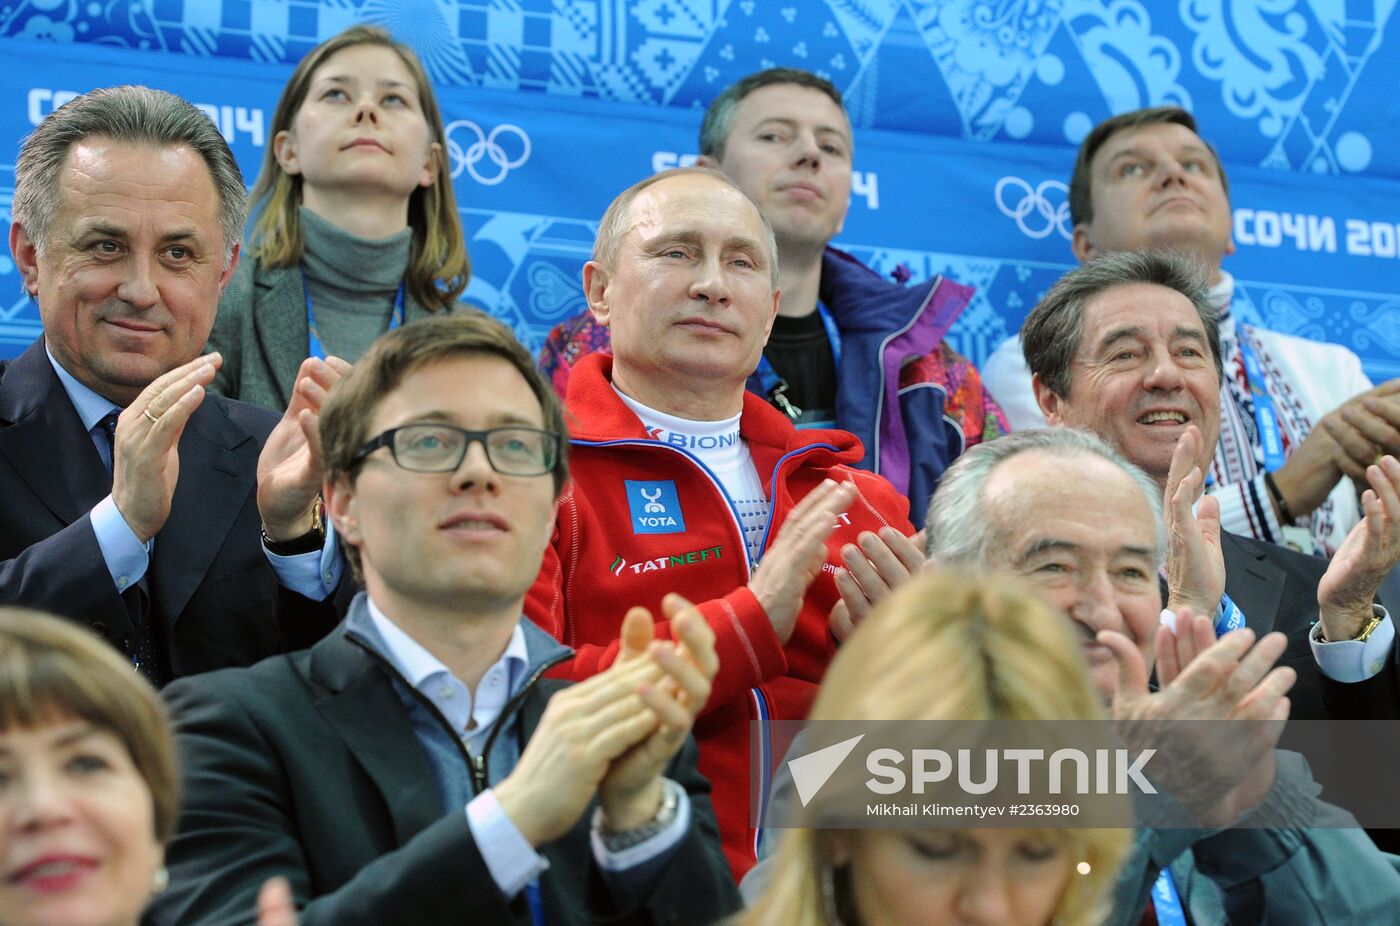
x: 132, y: 500
x: 1127, y: 346
x: 1065, y: 513
x: 1297, y: 415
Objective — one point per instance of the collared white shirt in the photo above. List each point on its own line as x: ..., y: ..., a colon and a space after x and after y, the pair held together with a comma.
x: 127, y: 558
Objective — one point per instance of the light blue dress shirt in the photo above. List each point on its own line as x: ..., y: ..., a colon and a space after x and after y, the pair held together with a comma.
x: 510, y: 858
x: 314, y: 575
x: 1347, y: 661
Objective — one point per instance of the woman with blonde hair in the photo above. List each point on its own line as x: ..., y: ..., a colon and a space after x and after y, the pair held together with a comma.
x: 355, y: 227
x: 948, y: 648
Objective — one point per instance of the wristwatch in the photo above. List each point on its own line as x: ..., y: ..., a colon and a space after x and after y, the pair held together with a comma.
x: 1370, y: 628
x: 665, y: 815
x: 1363, y: 636
x: 309, y: 542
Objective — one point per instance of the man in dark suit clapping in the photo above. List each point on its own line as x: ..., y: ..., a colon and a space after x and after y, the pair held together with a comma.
x: 132, y: 501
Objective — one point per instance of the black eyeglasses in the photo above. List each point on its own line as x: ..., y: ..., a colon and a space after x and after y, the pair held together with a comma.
x: 440, y: 448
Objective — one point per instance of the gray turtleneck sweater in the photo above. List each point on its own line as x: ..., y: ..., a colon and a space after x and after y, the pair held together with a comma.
x: 352, y: 283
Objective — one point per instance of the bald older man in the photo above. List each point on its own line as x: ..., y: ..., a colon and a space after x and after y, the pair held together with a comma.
x: 1083, y: 527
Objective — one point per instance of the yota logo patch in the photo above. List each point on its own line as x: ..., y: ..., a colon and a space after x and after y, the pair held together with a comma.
x: 655, y: 506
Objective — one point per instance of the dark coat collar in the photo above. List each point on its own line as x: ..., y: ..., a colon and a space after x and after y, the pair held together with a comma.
x: 354, y: 691
x: 1252, y: 582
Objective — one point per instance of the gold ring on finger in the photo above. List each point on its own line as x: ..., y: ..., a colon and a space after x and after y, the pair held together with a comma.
x: 153, y: 419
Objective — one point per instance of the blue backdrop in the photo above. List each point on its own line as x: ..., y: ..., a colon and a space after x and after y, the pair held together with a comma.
x: 966, y: 112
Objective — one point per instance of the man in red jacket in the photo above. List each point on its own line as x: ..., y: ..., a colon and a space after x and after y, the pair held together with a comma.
x: 684, y: 482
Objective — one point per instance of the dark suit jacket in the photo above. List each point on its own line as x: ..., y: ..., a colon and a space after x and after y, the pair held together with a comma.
x: 307, y: 766
x: 262, y: 333
x: 217, y: 602
x: 1276, y: 588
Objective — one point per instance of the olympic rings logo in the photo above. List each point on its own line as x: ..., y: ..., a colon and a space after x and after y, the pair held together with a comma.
x: 1036, y: 201
x: 486, y: 147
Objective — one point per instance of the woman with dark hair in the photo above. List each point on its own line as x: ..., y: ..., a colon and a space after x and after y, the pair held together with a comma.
x: 355, y: 227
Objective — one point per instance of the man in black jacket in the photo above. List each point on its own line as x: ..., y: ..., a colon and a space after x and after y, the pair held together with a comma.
x: 1127, y: 347
x: 132, y: 501
x: 415, y: 766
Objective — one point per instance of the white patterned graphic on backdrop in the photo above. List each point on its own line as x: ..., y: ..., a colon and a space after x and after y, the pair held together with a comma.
x: 1294, y: 85
x: 1273, y: 78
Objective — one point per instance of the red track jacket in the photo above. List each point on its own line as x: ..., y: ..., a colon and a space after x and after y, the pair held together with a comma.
x: 641, y: 518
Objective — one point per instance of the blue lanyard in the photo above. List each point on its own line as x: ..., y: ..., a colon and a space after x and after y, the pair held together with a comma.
x: 536, y: 901
x: 775, y: 387
x: 313, y: 347
x: 1166, y: 901
x: 833, y: 334
x: 1229, y: 618
x: 1264, y: 414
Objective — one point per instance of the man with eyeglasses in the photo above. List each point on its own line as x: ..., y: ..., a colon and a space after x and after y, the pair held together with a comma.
x: 416, y: 766
x: 683, y: 482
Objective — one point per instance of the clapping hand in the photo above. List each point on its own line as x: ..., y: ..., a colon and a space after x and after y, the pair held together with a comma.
x: 630, y: 790
x: 146, y: 447
x: 1195, y: 563
x: 290, y: 469
x: 612, y: 734
x: 1370, y: 551
x: 797, y: 553
x: 1218, y: 771
x: 876, y: 565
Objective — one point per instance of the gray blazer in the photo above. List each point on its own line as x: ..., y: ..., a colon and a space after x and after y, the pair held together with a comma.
x: 261, y: 332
